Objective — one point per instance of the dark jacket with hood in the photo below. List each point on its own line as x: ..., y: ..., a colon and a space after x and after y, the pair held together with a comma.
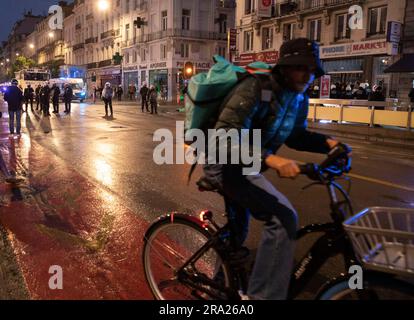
x: 14, y: 98
x: 283, y: 120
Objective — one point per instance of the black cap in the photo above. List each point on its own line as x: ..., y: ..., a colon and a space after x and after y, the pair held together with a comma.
x: 301, y: 52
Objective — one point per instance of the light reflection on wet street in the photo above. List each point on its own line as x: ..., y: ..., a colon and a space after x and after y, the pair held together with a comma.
x: 91, y: 188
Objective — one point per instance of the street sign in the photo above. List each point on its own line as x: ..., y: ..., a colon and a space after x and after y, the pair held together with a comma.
x: 265, y: 8
x: 232, y: 40
x: 394, y: 31
x: 325, y: 87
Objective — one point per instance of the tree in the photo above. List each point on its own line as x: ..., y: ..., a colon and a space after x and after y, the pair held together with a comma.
x: 21, y: 63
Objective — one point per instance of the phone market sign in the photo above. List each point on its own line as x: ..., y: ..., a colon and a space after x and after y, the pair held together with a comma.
x: 374, y: 47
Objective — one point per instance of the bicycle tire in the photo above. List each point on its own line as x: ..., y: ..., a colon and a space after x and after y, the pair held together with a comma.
x: 178, y: 220
x: 390, y: 288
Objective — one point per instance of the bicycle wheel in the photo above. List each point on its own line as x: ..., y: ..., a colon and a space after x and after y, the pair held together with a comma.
x: 376, y: 287
x: 168, y: 245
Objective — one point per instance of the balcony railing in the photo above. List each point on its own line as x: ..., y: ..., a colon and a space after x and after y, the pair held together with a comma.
x: 293, y: 6
x: 91, y: 40
x: 92, y: 65
x: 104, y: 63
x: 78, y: 46
x: 89, y: 16
x: 179, y: 33
x: 107, y: 34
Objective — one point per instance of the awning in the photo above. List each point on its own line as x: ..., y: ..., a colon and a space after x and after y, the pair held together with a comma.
x: 405, y: 64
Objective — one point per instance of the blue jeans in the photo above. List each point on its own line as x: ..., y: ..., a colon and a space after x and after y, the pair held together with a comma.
x: 18, y: 115
x: 255, y: 195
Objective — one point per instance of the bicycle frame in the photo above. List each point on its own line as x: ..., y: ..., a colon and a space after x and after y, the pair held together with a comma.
x: 333, y: 242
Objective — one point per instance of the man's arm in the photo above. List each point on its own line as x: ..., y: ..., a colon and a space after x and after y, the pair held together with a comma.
x: 303, y: 140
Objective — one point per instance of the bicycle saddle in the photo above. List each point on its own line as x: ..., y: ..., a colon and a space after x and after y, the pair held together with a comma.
x: 205, y: 186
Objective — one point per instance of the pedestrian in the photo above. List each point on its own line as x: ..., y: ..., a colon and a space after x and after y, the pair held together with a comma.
x: 411, y: 96
x: 107, y: 95
x: 360, y: 93
x: 55, y: 98
x: 119, y: 93
x: 95, y: 92
x: 377, y: 95
x: 152, y: 97
x: 28, y: 97
x: 45, y: 99
x: 334, y: 92
x: 14, y: 98
x: 67, y: 98
x: 348, y: 92
x: 37, y: 93
x: 144, y: 97
x: 132, y: 91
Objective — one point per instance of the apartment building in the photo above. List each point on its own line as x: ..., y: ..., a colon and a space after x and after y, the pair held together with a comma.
x: 154, y: 38
x: 348, y: 55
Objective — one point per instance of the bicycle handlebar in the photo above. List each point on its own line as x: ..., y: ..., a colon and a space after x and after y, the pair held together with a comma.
x: 337, y: 163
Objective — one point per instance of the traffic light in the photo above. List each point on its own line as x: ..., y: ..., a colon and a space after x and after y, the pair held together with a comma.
x: 189, y: 70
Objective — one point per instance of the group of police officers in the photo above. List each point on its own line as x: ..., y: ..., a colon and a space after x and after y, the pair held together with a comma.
x: 16, y: 97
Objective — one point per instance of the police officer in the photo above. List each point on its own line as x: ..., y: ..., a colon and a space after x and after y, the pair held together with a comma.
x: 45, y: 99
x: 55, y: 98
x: 28, y: 97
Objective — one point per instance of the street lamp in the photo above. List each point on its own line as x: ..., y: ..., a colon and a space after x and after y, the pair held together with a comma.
x: 103, y: 5
x: 51, y: 34
x: 17, y: 54
x: 31, y: 46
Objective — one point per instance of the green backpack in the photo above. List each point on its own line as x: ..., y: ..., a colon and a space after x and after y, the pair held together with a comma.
x: 207, y: 92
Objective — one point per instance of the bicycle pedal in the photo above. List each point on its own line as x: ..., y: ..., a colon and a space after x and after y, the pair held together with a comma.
x: 240, y: 256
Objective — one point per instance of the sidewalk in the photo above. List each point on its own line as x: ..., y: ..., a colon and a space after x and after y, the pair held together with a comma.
x: 388, y: 136
x: 57, y: 216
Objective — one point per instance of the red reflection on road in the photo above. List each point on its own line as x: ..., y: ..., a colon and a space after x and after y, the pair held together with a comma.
x: 59, y: 217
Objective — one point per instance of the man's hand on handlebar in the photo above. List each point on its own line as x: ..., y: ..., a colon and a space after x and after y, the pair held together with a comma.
x: 286, y: 168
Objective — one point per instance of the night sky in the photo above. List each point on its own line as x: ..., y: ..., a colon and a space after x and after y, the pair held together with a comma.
x: 12, y: 10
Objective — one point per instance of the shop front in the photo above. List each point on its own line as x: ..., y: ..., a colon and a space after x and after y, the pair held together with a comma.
x: 359, y: 61
x: 130, y: 78
x: 111, y: 75
x: 158, y: 77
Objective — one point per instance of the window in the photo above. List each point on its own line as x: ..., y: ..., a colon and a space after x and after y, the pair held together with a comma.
x: 127, y: 6
x: 127, y: 57
x: 164, y: 20
x: 127, y: 32
x: 163, y: 49
x: 315, y: 27
x: 185, y: 50
x: 250, y: 6
x: 135, y: 57
x: 342, y: 27
x: 289, y: 31
x: 143, y: 54
x: 267, y: 38
x: 185, y: 22
x: 223, y: 23
x: 377, y: 20
x: 248, y: 40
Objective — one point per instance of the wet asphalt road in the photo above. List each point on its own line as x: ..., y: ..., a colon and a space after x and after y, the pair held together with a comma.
x: 117, y: 155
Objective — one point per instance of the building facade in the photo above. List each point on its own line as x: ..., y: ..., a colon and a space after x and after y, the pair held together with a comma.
x: 348, y: 54
x: 154, y: 38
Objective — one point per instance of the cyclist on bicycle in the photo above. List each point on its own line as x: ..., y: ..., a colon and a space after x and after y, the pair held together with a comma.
x: 282, y: 121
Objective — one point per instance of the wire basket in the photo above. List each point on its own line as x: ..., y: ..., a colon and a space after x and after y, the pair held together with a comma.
x: 383, y: 239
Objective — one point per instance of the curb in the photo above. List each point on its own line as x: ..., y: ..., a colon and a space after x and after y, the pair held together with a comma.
x: 385, y: 136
